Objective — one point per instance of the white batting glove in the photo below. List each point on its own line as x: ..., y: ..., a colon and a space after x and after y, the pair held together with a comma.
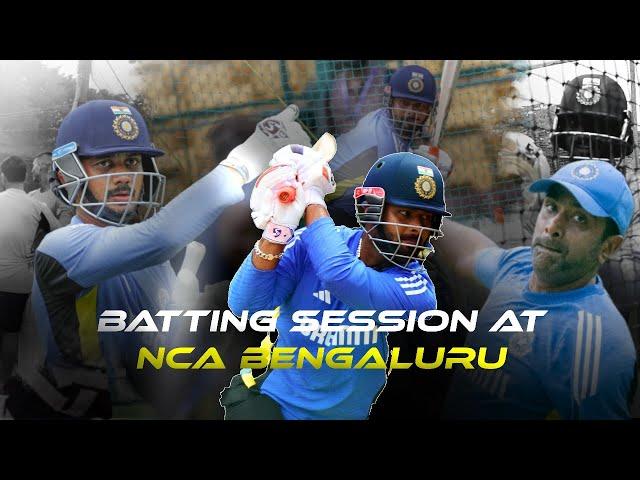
x: 314, y: 172
x: 317, y: 181
x: 250, y: 158
x: 277, y: 203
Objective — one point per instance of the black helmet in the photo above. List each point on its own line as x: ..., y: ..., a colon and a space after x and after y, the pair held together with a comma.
x: 592, y: 122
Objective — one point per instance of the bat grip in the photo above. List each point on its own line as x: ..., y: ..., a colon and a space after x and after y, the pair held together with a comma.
x: 286, y: 194
x: 193, y: 256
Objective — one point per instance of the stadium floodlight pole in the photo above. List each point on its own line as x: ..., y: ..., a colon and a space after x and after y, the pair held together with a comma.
x: 450, y: 73
x: 634, y: 110
x: 82, y: 83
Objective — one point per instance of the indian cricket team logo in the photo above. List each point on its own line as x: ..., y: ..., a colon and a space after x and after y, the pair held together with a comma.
x: 520, y: 344
x: 416, y: 83
x: 590, y: 93
x: 585, y: 172
x: 126, y: 127
x: 425, y: 187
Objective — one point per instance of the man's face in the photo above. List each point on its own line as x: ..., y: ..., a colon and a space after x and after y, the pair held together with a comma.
x: 409, y: 117
x: 567, y: 240
x: 118, y: 187
x: 411, y: 234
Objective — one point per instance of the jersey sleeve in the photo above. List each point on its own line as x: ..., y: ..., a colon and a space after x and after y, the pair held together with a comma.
x: 495, y: 264
x: 612, y: 394
x: 359, y: 286
x: 602, y: 369
x: 253, y: 289
x: 90, y: 255
x: 487, y: 265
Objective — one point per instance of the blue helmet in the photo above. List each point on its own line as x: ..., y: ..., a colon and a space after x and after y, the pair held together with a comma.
x: 101, y: 128
x: 407, y: 180
x: 413, y: 83
x: 416, y: 84
x: 105, y: 127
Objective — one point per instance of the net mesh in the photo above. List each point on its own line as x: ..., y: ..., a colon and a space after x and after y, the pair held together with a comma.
x: 497, y: 131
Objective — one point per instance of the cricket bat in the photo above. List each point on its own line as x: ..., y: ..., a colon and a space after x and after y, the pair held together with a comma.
x: 450, y: 73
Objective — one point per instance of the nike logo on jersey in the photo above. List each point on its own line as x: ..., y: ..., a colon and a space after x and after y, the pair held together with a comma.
x: 323, y: 296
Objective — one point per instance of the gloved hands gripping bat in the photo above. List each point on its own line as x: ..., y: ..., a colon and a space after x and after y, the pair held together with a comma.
x: 298, y: 176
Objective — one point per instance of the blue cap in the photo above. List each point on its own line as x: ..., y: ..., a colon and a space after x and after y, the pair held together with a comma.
x: 597, y: 186
x: 409, y: 180
x: 414, y: 83
x: 103, y: 127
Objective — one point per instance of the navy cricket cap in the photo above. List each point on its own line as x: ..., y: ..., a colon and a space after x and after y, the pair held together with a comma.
x: 597, y: 186
x: 103, y: 127
x: 409, y: 180
x: 413, y: 83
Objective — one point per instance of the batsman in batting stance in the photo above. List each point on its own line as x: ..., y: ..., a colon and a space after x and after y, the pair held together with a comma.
x: 114, y: 255
x: 378, y: 266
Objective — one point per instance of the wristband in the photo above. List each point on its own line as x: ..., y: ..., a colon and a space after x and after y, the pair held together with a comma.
x: 277, y: 233
x: 238, y: 167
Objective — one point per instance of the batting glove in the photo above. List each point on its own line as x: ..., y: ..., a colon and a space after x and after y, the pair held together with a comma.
x: 251, y: 157
x: 277, y: 203
x: 313, y: 171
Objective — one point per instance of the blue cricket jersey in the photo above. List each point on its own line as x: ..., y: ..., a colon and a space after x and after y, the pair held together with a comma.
x: 578, y: 363
x: 82, y: 270
x: 320, y: 271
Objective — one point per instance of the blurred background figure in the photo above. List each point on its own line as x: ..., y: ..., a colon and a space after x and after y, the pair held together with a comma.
x: 227, y: 242
x: 25, y: 222
x: 356, y: 90
x: 41, y: 172
x: 400, y: 123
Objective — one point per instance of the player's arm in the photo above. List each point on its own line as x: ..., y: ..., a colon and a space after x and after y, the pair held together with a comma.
x: 350, y: 280
x: 90, y: 255
x: 460, y: 250
x: 261, y: 284
x: 156, y: 240
x: 54, y: 223
x: 269, y: 274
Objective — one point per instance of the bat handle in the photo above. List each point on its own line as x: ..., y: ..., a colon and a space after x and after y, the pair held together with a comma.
x: 286, y: 194
x: 193, y: 256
